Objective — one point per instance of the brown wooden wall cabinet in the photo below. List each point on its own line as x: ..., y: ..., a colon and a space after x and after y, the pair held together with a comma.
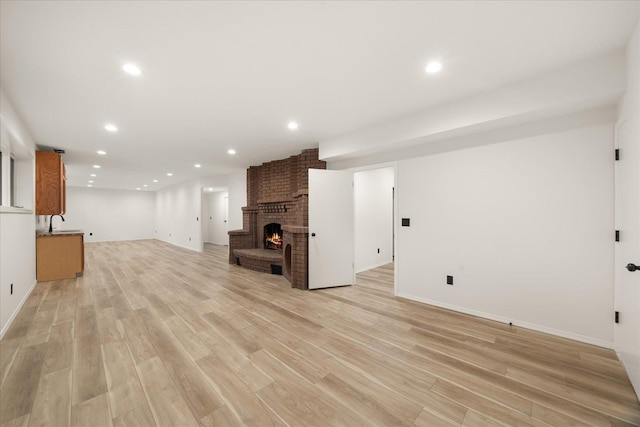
x: 50, y: 184
x: 59, y: 256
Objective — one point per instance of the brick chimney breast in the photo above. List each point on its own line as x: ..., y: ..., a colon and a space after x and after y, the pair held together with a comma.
x: 277, y: 193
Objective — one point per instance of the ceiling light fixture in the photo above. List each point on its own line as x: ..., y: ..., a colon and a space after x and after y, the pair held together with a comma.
x: 90, y: 181
x: 132, y: 69
x: 111, y: 127
x: 155, y: 180
x: 292, y: 125
x: 197, y: 165
x: 169, y: 174
x: 231, y: 151
x: 137, y: 188
x: 101, y: 152
x: 93, y: 175
x: 89, y: 185
x: 145, y: 185
x: 433, y: 67
x: 96, y: 166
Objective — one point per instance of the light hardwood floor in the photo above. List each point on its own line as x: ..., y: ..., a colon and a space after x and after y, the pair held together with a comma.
x: 158, y: 335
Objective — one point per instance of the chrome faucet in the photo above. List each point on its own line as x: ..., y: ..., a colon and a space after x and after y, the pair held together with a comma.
x: 51, y: 222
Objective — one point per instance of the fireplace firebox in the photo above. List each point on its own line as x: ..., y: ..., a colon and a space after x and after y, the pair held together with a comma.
x: 273, y: 236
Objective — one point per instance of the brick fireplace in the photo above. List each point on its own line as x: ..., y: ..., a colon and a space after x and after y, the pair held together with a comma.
x: 275, y: 221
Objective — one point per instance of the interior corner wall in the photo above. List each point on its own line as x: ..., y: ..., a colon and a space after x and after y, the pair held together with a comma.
x: 373, y: 210
x: 179, y: 215
x: 524, y: 227
x: 109, y: 215
x: 215, y: 218
x: 237, y: 198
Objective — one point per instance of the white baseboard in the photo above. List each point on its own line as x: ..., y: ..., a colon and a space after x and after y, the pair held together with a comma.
x: 515, y: 322
x: 180, y: 246
x: 17, y: 310
x: 370, y: 267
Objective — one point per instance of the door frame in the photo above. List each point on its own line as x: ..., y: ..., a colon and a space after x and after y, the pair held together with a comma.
x: 396, y: 254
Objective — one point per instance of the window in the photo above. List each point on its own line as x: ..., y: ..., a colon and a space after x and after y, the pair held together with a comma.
x: 16, y: 174
x: 12, y: 182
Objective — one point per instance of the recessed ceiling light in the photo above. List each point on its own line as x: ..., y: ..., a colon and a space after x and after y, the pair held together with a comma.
x: 132, y: 69
x: 90, y: 182
x: 169, y: 174
x: 93, y: 175
x: 145, y: 185
x: 96, y: 166
x: 101, y: 152
x: 111, y: 127
x: 433, y: 67
x: 231, y: 151
x: 137, y: 188
x: 155, y: 180
x: 197, y: 165
x: 292, y: 125
x: 89, y: 185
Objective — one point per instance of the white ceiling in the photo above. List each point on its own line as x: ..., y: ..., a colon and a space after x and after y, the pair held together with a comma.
x: 220, y: 75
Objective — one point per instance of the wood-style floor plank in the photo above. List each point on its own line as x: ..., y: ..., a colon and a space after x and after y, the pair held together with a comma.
x: 153, y: 334
x: 52, y: 406
x: 20, y: 387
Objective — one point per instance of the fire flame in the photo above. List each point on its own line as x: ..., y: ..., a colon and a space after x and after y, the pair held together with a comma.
x: 276, y: 239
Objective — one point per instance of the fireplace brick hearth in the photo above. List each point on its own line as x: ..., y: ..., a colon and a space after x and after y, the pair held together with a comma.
x: 277, y: 193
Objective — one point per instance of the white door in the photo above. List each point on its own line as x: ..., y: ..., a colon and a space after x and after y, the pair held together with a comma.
x: 206, y: 215
x: 330, y: 228
x: 627, y: 283
x: 225, y: 207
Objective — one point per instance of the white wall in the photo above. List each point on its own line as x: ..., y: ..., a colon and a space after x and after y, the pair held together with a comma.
x: 237, y: 199
x: 214, y: 213
x: 525, y: 227
x: 373, y: 209
x: 178, y: 215
x: 180, y: 212
x: 109, y: 215
x: 17, y: 230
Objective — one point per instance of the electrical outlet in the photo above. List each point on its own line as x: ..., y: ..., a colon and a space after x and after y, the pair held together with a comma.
x: 449, y: 280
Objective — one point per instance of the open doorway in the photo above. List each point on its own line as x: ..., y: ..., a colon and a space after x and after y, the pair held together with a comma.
x: 374, y: 227
x: 215, y: 211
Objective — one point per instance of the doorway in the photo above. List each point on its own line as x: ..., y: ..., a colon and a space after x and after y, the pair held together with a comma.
x: 374, y: 227
x: 215, y: 210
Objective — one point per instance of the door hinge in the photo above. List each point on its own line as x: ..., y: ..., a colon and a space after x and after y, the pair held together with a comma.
x: 617, y: 235
x: 617, y: 154
x: 617, y: 317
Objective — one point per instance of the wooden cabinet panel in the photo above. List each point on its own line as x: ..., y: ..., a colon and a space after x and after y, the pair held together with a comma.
x: 59, y: 256
x: 50, y: 183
